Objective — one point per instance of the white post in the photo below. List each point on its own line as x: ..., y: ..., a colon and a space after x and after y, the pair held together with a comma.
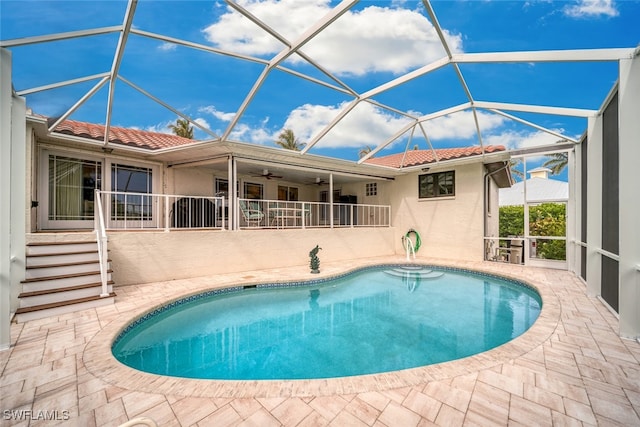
x: 331, y: 200
x: 629, y: 249
x: 233, y: 192
x: 5, y: 198
x: 594, y: 205
x: 13, y: 203
x: 572, y: 231
x: 575, y: 176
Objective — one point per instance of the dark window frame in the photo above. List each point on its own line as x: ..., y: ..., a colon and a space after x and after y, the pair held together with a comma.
x: 371, y: 189
x: 430, y: 186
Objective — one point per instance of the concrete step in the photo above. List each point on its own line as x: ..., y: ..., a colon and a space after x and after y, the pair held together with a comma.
x: 50, y: 270
x: 25, y: 314
x: 62, y: 258
x: 38, y: 248
x: 49, y: 296
x: 62, y: 281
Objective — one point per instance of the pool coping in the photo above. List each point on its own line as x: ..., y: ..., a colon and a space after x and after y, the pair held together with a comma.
x: 99, y: 360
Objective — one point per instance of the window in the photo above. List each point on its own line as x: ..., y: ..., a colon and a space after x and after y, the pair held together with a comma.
x: 371, y: 189
x: 289, y: 194
x: 439, y: 184
x: 222, y: 187
x: 126, y: 180
x: 253, y: 191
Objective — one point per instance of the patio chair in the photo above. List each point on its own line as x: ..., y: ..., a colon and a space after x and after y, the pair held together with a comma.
x: 251, y: 212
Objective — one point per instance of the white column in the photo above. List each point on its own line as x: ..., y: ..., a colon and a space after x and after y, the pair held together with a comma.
x: 19, y: 204
x: 331, y: 200
x: 594, y: 205
x: 573, y: 212
x: 575, y: 177
x: 5, y: 198
x: 629, y: 146
x: 233, y: 196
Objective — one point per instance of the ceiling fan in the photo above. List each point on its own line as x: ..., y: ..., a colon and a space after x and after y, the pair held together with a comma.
x: 318, y: 181
x: 268, y: 175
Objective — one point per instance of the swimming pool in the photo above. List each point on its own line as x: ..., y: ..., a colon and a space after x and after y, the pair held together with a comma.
x: 376, y: 319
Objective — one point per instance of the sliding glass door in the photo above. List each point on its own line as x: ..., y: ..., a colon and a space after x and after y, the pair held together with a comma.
x: 67, y: 187
x: 71, y: 184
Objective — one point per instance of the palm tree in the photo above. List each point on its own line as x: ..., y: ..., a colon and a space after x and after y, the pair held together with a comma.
x: 288, y: 140
x: 364, y: 151
x: 515, y: 172
x: 182, y: 128
x: 557, y: 162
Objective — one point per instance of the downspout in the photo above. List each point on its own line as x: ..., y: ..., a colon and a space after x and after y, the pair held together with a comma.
x: 485, y: 186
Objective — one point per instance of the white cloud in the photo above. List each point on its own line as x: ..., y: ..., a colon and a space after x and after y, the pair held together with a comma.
x: 202, y: 122
x: 167, y: 47
x: 161, y: 127
x: 220, y: 115
x: 372, y: 39
x: 364, y: 125
x: 461, y: 125
x: 257, y: 135
x: 521, y: 139
x: 591, y: 8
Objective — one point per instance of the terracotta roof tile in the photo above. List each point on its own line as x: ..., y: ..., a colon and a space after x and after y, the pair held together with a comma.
x: 422, y: 157
x: 122, y: 136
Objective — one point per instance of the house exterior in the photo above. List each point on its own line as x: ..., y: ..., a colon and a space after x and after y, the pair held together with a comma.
x: 169, y: 211
x: 539, y: 188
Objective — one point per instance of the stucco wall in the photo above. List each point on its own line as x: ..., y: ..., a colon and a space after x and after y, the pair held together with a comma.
x: 450, y: 227
x: 140, y: 257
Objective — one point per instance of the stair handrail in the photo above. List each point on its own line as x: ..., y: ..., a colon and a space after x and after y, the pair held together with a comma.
x: 101, y: 238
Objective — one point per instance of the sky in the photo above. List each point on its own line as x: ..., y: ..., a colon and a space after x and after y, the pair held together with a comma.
x: 372, y: 43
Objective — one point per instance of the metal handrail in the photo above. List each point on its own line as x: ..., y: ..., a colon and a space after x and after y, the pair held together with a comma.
x: 101, y: 237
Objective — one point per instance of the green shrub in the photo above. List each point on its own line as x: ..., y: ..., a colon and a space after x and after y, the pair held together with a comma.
x: 545, y: 219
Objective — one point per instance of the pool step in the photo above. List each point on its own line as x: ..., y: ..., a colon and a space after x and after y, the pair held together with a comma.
x: 413, y: 272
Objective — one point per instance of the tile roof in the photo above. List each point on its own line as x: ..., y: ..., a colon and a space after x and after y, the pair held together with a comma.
x: 123, y: 136
x: 421, y: 157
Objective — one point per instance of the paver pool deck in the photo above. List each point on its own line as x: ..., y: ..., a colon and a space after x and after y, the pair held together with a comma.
x: 570, y: 368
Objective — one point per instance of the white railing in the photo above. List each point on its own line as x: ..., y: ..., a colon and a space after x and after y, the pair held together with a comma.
x: 140, y: 211
x: 101, y: 239
x: 512, y: 249
x: 135, y: 211
x: 260, y: 213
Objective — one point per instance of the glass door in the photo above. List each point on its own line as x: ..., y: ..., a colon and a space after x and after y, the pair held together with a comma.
x: 131, y: 203
x: 547, y: 233
x: 71, y: 185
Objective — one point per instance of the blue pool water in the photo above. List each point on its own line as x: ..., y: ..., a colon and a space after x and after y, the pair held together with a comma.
x: 375, y: 320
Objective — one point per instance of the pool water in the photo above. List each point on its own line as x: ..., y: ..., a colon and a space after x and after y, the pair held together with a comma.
x: 371, y: 321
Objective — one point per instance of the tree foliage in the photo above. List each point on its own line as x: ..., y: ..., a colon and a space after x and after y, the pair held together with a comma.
x: 546, y: 219
x: 288, y: 140
x: 182, y: 128
x: 557, y: 162
x: 364, y: 151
